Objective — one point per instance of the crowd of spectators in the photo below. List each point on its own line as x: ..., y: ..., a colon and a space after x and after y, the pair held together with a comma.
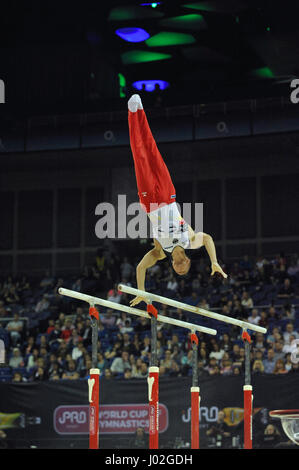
x: 48, y: 337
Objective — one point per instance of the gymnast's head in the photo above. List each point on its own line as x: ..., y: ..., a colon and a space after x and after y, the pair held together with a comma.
x: 180, y: 261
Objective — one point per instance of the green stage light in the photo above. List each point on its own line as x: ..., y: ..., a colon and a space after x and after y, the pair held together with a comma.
x: 138, y: 57
x: 169, y: 39
x: 122, y: 85
x: 263, y: 72
x: 192, y: 21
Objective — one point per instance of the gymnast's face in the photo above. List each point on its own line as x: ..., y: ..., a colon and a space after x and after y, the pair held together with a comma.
x: 180, y: 262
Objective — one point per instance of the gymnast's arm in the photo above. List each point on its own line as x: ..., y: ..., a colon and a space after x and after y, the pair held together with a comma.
x: 149, y: 260
x: 200, y: 239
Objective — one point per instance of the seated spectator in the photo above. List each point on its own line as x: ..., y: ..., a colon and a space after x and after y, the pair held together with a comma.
x: 280, y: 367
x: 241, y: 359
x: 167, y: 361
x: 259, y: 342
x: 295, y: 368
x: 136, y: 368
x: 121, y: 321
x: 32, y: 359
x: 257, y: 367
x: 18, y: 377
x: 273, y: 336
x: 187, y: 361
x: 113, y: 351
x: 203, y: 355
x: 54, y: 371
x: 220, y: 431
x: 108, y: 374
x: 288, y: 362
x: 278, y: 350
x: 146, y: 346
x: 51, y: 326
x: 254, y: 317
x: 54, y: 377
x: 23, y: 286
x: 289, y: 345
x: 225, y: 343
x: 236, y: 370
x: 139, y: 441
x: 127, y: 328
x: 66, y: 330
x: 143, y: 371
x: 119, y: 364
x: 61, y: 319
x: 288, y: 313
x: 16, y: 359
x: 215, y: 370
x: 109, y: 319
x: 217, y: 353
x: 246, y: 301
x: 114, y: 296
x: 160, y: 350
x: 43, y: 304
x: 286, y: 291
x: 127, y: 374
x: 78, y: 351
x: 289, y: 331
x: 70, y: 373
x: 204, y: 304
x: 15, y: 329
x: 84, y: 366
x: 40, y: 374
x: 263, y: 321
x: 258, y: 355
x: 48, y: 281
x: 177, y: 354
x: 202, y: 372
x: 272, y: 315
x: 29, y: 345
x: 43, y: 354
x: 226, y: 366
x: 174, y: 371
x: 142, y: 325
x: 211, y: 365
x: 102, y: 362
x: 11, y: 296
x: 270, y: 439
x: 43, y: 343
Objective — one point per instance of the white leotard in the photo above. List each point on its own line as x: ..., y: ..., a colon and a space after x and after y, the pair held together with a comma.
x: 169, y: 228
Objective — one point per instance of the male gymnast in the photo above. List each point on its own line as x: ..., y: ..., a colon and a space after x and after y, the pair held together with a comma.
x: 157, y: 196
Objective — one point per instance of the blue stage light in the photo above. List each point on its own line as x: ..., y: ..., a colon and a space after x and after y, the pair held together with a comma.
x: 149, y: 85
x: 150, y: 4
x: 132, y: 34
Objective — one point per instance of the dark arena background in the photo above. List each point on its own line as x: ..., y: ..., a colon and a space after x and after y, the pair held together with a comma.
x: 219, y: 82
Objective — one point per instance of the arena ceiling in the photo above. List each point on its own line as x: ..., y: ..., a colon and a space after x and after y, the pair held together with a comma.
x: 206, y: 50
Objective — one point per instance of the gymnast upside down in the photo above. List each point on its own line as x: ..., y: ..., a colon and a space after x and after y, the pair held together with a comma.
x: 157, y: 196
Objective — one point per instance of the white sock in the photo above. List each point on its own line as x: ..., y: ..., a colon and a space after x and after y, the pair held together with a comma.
x: 134, y: 103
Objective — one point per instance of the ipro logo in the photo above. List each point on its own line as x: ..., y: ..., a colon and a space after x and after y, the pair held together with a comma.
x: 2, y: 92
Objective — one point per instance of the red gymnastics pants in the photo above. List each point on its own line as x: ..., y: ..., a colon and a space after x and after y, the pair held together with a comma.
x: 154, y: 183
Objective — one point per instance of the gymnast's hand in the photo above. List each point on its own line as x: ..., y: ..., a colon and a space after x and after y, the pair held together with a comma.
x: 137, y: 300
x: 216, y: 268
